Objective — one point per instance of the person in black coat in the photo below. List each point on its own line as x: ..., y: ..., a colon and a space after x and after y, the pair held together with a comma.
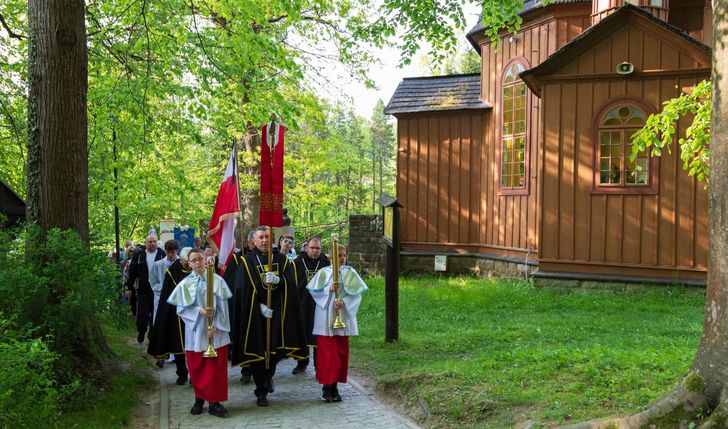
x: 139, y: 270
x: 249, y: 334
x: 307, y: 264
x: 167, y: 335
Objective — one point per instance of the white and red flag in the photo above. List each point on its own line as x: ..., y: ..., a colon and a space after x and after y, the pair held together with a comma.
x: 227, y: 209
x: 271, y: 175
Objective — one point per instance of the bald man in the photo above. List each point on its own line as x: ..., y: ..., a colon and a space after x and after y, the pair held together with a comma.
x: 140, y: 268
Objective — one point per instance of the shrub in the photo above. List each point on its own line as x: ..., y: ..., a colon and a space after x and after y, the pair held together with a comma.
x: 56, y: 291
x: 29, y: 394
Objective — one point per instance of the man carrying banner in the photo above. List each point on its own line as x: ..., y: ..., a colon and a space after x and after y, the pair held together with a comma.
x: 267, y: 331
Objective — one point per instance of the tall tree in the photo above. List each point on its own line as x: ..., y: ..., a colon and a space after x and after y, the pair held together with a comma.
x: 57, y: 154
x: 383, y: 155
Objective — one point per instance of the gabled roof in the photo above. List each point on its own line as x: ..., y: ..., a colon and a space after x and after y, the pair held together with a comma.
x: 603, y: 28
x: 11, y: 204
x: 528, y: 5
x: 437, y: 93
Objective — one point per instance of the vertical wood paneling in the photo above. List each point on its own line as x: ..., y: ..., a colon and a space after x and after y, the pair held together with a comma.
x: 454, y: 204
x: 402, y: 176
x: 421, y: 161
x: 668, y: 195
x: 475, y: 190
x: 443, y: 220
x: 412, y: 155
x: 685, y: 203
x: 465, y: 179
x: 431, y: 184
x: 566, y: 172
x: 631, y: 228
x: 583, y: 169
x: 549, y: 229
x: 613, y: 237
x: 648, y: 230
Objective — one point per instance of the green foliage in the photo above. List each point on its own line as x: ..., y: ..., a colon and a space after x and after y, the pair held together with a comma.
x: 500, y: 353
x: 29, y: 393
x: 659, y: 131
x: 174, y: 85
x: 59, y: 288
x: 694, y: 382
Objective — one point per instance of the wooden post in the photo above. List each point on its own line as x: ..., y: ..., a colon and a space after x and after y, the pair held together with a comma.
x: 391, y: 276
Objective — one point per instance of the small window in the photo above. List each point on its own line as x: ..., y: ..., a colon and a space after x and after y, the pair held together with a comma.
x: 514, y: 130
x: 615, y: 130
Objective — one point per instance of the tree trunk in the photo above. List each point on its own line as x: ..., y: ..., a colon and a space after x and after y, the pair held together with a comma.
x: 250, y: 198
x: 712, y: 357
x: 57, y: 125
x: 704, y: 388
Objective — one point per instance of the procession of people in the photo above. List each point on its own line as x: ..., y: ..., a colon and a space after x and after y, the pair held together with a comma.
x: 264, y: 307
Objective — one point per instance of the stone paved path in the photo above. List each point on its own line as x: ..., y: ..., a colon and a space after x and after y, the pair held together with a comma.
x: 295, y: 404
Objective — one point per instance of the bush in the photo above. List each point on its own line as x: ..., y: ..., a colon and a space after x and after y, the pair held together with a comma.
x: 55, y: 290
x: 29, y: 395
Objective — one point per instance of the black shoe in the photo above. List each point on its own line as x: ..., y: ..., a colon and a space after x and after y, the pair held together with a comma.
x: 160, y: 363
x: 216, y: 409
x: 262, y: 401
x: 140, y: 337
x: 245, y: 378
x: 299, y: 369
x: 335, y: 397
x: 326, y: 393
x: 197, y: 408
x: 181, y: 380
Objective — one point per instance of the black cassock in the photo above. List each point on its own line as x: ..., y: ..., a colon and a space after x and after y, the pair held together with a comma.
x: 168, y: 333
x: 249, y: 329
x: 305, y: 268
x: 229, y: 277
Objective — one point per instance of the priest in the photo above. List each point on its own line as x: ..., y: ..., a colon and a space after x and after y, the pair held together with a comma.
x: 252, y: 338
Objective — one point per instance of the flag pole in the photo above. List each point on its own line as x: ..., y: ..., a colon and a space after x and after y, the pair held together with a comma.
x: 269, y: 287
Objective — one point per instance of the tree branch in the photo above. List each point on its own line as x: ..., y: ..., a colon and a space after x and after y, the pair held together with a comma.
x: 10, y: 32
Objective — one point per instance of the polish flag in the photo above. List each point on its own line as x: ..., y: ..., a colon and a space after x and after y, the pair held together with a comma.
x: 227, y: 208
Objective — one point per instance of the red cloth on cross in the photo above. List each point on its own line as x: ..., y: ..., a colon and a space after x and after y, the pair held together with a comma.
x: 271, y: 176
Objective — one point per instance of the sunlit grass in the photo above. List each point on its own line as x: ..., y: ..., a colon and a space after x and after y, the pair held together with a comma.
x: 477, y: 353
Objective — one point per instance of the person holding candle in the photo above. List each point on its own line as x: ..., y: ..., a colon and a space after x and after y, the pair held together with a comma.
x: 206, y: 323
x: 337, y: 300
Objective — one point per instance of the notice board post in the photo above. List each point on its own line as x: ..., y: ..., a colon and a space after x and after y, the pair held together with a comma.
x: 390, y: 208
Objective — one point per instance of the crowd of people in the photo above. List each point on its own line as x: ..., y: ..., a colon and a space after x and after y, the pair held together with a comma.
x: 266, y: 308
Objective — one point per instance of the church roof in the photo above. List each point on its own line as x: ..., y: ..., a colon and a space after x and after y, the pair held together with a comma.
x: 528, y: 5
x: 586, y: 39
x: 437, y: 93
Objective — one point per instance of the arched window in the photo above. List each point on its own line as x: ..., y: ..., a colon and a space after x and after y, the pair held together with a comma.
x: 514, y: 133
x: 614, y: 171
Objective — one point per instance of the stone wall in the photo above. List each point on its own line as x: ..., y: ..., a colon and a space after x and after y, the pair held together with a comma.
x: 366, y: 245
x: 481, y: 265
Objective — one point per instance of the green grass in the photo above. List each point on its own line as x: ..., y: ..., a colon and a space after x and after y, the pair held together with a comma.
x: 110, y: 403
x: 496, y: 354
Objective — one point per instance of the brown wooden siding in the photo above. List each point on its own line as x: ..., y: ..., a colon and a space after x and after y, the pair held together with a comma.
x: 449, y: 162
x: 640, y: 234
x: 439, y: 168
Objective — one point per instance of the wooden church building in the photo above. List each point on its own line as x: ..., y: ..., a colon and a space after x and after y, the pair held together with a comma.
x: 525, y: 168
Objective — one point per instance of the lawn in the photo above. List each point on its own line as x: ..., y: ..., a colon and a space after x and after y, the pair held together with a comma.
x: 502, y: 354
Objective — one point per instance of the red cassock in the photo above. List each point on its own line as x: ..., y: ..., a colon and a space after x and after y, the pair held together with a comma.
x: 332, y: 359
x: 209, y: 375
